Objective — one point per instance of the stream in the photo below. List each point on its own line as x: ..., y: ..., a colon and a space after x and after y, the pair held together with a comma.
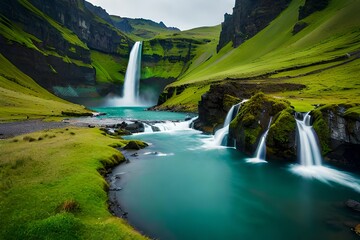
x: 183, y: 187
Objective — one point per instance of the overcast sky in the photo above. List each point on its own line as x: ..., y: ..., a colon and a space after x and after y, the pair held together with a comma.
x: 183, y: 14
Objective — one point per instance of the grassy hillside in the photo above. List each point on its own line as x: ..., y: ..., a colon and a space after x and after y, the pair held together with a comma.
x: 22, y: 97
x: 170, y: 55
x: 58, y: 192
x: 312, y: 56
x: 140, y: 29
x: 109, y: 68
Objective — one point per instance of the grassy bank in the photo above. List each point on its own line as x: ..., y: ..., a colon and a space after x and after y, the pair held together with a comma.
x: 51, y: 188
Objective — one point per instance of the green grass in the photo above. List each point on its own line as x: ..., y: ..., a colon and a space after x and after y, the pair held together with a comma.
x: 65, y: 33
x: 14, y: 33
x: 109, y: 69
x: 143, y: 29
x: 178, y: 52
x: 21, y: 97
x: 276, y: 52
x: 51, y: 186
x: 188, y: 100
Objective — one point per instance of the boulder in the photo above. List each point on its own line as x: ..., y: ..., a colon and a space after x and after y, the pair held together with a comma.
x: 135, y: 145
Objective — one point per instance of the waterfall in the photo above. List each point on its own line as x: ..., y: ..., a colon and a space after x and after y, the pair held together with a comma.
x: 221, y: 134
x: 308, y: 147
x: 132, y: 77
x: 261, y: 148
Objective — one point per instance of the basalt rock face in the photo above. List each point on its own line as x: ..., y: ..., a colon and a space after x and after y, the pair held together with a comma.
x: 249, y: 17
x: 338, y: 130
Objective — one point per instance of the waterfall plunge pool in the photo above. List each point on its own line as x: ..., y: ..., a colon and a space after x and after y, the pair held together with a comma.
x: 181, y: 188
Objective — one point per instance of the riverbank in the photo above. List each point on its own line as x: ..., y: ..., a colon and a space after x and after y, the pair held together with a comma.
x: 52, y: 185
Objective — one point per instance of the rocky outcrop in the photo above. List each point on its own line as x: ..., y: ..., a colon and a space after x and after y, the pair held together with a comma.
x: 253, y: 120
x: 215, y: 104
x: 312, y: 6
x: 338, y: 129
x: 249, y: 17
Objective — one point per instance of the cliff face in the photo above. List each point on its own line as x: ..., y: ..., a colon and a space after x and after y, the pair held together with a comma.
x: 51, y: 41
x: 338, y: 130
x: 89, y: 28
x: 249, y: 17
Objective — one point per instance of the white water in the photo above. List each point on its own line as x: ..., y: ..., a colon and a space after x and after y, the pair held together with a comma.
x: 222, y: 133
x: 309, y: 151
x: 167, y: 126
x: 132, y: 78
x: 260, y: 153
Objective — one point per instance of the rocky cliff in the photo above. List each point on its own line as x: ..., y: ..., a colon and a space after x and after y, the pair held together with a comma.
x: 338, y: 129
x: 215, y: 104
x: 249, y: 17
x: 51, y: 41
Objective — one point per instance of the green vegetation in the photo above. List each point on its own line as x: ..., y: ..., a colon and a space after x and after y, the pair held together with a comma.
x: 66, y: 33
x: 171, y: 55
x: 142, y: 28
x: 14, y: 33
x: 108, y: 68
x: 188, y: 100
x: 22, y: 97
x: 51, y: 186
x: 323, y: 56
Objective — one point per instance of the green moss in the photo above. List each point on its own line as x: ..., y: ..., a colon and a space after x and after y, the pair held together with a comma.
x: 322, y: 130
x: 229, y: 101
x: 251, y: 134
x: 283, y: 125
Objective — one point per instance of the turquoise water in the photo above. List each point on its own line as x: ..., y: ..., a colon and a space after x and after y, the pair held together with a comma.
x: 180, y: 188
x: 139, y: 113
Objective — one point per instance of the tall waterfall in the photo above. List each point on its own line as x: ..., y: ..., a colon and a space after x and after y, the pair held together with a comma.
x: 132, y: 77
x: 308, y: 147
x: 222, y: 133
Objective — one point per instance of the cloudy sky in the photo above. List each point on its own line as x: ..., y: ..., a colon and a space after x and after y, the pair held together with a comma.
x: 184, y: 14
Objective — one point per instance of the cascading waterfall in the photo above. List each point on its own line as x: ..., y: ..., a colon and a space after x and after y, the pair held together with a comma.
x: 309, y: 151
x: 132, y: 77
x: 261, y: 148
x: 168, y: 126
x: 221, y: 134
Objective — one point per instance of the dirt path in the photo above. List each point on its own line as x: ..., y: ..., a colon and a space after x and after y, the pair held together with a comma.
x: 12, y: 129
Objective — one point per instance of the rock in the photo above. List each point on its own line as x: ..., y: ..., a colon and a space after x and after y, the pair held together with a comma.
x: 135, y: 145
x: 215, y: 104
x: 253, y: 120
x: 312, y: 6
x: 353, y: 204
x: 135, y: 127
x: 249, y: 17
x: 299, y: 26
x: 338, y: 129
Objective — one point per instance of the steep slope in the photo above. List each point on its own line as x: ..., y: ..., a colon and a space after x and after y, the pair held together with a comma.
x: 52, y: 43
x: 328, y: 45
x: 22, y: 97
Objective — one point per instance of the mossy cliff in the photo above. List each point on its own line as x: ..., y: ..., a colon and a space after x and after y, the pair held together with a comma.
x: 51, y: 41
x: 338, y: 129
x: 216, y: 102
x: 253, y: 120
